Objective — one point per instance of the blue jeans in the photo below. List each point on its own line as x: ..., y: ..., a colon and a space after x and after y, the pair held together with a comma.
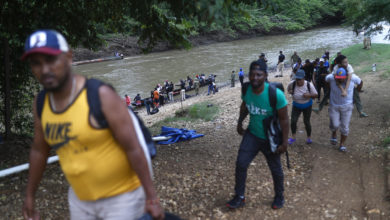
x: 210, y: 89
x: 250, y: 146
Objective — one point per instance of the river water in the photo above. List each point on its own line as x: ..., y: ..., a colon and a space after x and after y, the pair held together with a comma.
x: 140, y: 74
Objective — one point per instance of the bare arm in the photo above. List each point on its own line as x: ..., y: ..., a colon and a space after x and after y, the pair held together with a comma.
x: 283, y: 120
x: 38, y: 157
x: 349, y: 77
x: 243, y: 113
x: 122, y: 128
x: 289, y: 89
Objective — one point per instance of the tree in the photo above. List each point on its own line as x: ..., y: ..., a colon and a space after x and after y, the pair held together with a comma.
x: 76, y: 19
x: 367, y: 15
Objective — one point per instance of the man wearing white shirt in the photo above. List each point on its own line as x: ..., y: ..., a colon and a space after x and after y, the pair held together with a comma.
x: 340, y: 109
x: 342, y: 61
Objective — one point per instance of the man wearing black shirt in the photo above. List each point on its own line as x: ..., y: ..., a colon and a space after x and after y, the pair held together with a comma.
x: 308, y: 67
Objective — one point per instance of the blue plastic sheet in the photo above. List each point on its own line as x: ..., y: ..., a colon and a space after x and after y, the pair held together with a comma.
x: 177, y: 135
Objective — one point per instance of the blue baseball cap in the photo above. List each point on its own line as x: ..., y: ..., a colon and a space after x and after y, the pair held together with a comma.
x: 45, y: 41
x: 300, y: 74
x: 340, y: 73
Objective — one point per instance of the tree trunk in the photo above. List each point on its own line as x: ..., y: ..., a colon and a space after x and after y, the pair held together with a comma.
x: 7, y: 92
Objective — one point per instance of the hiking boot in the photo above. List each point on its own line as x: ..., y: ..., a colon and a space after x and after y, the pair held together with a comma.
x: 363, y: 114
x: 236, y: 202
x: 278, y: 202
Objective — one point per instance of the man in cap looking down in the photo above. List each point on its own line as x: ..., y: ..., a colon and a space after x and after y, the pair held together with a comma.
x: 106, y: 166
x: 340, y: 108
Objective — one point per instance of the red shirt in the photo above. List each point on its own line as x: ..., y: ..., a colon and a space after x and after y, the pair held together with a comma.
x: 128, y: 101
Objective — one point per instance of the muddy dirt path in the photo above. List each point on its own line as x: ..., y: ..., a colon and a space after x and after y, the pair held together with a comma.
x: 195, y: 179
x: 322, y: 184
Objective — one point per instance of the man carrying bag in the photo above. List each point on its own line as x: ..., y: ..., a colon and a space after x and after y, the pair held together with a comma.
x: 256, y: 102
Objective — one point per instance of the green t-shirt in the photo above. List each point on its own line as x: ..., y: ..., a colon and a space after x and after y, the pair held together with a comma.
x: 259, y: 108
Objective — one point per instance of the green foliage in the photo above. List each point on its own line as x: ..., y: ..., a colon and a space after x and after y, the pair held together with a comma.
x: 85, y: 23
x: 76, y: 19
x: 367, y: 15
x: 386, y: 141
x: 204, y: 111
x: 362, y: 59
x: 200, y: 111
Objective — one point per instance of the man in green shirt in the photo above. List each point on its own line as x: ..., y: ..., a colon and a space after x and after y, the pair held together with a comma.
x: 294, y: 59
x: 255, y: 102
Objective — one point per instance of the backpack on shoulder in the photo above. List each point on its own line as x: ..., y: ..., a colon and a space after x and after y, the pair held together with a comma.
x: 142, y: 132
x: 295, y: 84
x: 271, y: 124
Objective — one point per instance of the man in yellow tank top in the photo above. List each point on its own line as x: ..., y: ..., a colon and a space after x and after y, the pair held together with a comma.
x: 106, y: 168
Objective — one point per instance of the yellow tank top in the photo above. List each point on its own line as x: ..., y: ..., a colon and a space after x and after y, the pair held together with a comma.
x: 94, y: 163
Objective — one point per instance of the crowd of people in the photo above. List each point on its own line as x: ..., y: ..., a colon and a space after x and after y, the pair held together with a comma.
x: 99, y: 146
x: 164, y: 93
x: 341, y: 87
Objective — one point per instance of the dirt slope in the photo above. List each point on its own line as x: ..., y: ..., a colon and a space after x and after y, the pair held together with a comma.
x: 195, y: 179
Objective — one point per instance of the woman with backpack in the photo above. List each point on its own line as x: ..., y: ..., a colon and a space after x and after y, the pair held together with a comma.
x: 302, y: 93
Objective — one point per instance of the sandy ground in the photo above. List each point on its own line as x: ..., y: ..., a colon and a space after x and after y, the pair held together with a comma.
x: 194, y: 179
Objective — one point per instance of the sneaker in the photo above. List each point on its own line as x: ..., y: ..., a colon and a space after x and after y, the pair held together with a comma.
x: 236, y: 202
x: 342, y: 149
x: 278, y: 202
x: 363, y: 115
x: 291, y: 140
x: 309, y: 141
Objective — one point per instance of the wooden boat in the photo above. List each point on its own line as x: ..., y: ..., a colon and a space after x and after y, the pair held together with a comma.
x: 97, y: 60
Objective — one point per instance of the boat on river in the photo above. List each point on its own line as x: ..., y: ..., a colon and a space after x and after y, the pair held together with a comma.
x: 97, y: 60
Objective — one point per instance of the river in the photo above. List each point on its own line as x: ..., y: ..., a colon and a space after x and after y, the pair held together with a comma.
x: 140, y: 74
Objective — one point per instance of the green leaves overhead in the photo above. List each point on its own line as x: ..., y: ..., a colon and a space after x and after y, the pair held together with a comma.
x: 367, y: 15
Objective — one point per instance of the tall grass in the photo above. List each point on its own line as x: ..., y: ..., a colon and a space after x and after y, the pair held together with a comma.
x: 204, y: 111
x: 362, y: 59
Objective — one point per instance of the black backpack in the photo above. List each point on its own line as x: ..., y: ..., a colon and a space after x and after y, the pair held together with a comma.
x: 93, y: 99
x: 295, y: 83
x: 271, y: 124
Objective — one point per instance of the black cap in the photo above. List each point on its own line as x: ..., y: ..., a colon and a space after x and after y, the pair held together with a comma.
x: 262, y: 65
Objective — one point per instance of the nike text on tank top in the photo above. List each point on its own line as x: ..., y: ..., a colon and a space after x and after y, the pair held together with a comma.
x: 94, y: 163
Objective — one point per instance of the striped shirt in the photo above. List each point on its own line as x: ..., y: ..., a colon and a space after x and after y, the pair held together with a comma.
x: 336, y: 99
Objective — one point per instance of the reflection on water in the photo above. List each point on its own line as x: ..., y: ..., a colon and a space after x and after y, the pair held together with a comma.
x: 140, y: 74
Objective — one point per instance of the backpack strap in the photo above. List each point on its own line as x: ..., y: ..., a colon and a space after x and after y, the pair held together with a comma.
x: 95, y: 109
x: 272, y: 98
x: 244, y: 88
x: 293, y: 87
x: 295, y: 83
x: 40, y: 102
x: 308, y: 86
x: 94, y: 104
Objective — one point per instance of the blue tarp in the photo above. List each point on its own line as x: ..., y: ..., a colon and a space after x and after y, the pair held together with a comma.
x: 177, y: 135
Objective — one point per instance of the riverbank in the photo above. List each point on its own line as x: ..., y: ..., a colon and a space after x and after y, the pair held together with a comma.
x: 128, y: 46
x: 194, y: 179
